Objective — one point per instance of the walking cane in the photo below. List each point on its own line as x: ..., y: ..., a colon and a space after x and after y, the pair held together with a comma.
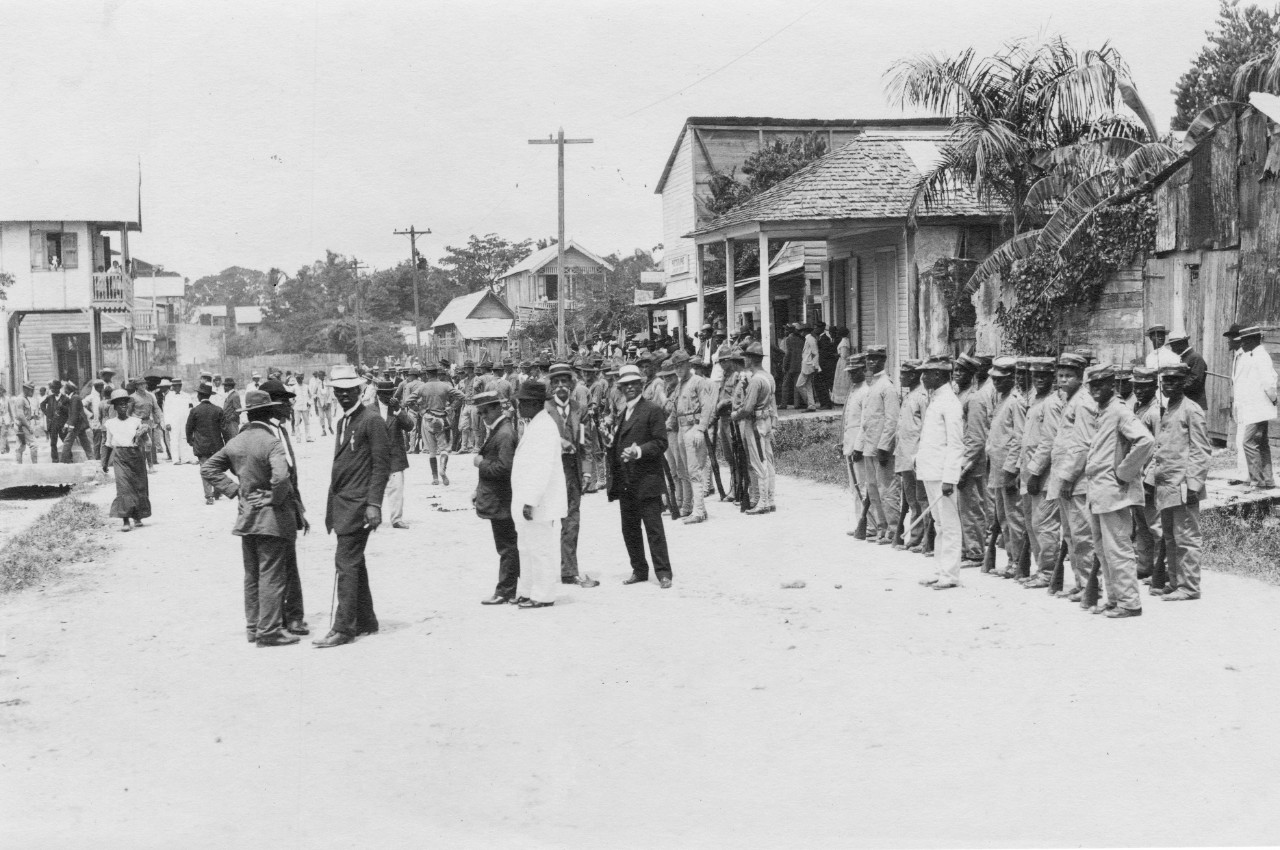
x: 926, y: 512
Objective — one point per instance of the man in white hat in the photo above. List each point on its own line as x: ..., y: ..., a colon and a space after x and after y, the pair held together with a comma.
x: 636, y: 479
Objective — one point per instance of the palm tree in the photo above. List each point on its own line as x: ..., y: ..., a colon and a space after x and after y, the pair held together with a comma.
x: 1011, y: 110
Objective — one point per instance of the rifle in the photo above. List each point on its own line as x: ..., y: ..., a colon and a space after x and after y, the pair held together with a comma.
x: 1091, y: 590
x: 989, y: 559
x: 902, y: 517
x: 741, y: 478
x: 673, y: 504
x: 1160, y: 572
x: 712, y: 440
x: 1024, y: 560
x: 1059, y: 570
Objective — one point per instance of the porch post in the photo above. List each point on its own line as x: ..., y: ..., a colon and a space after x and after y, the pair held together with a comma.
x: 702, y: 294
x: 730, y: 322
x: 95, y: 344
x: 766, y: 304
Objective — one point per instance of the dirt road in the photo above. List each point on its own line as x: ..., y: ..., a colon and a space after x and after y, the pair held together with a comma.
x: 727, y: 711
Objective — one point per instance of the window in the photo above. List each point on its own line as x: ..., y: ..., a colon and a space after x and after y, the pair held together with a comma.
x: 551, y: 287
x: 54, y: 250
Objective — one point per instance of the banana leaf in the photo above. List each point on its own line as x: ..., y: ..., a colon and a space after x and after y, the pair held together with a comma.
x: 1208, y: 120
x: 1018, y: 248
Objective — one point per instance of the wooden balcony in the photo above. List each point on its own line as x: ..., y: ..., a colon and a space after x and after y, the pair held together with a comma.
x: 114, y: 291
x: 144, y: 322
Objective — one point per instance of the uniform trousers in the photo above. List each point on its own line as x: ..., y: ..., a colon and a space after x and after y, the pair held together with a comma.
x: 1044, y: 529
x: 393, y: 501
x: 884, y: 495
x: 1111, y: 530
x: 467, y: 427
x: 917, y: 503
x: 1181, y: 524
x: 1013, y: 525
x: 697, y: 461
x: 858, y: 492
x: 760, y: 456
x: 355, y: 613
x: 572, y: 522
x: 1257, y: 455
x: 974, y: 520
x: 265, y: 560
x: 539, y: 543
x: 294, y: 610
x: 946, y: 517
x: 505, y: 541
x: 26, y: 441
x: 1074, y: 515
x: 647, y: 512
x: 1147, y: 531
x: 679, y: 475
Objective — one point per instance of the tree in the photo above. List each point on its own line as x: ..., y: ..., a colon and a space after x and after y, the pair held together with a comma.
x: 474, y: 266
x: 6, y: 280
x: 235, y: 285
x: 1010, y: 109
x: 1239, y: 35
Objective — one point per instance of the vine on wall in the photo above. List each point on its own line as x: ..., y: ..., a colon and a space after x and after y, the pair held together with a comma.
x: 1048, y: 288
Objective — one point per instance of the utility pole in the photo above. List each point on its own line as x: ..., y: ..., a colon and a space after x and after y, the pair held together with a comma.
x: 413, y: 261
x: 356, y: 265
x: 561, y: 283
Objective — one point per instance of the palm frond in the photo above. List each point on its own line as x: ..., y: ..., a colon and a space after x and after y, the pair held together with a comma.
x: 1018, y: 248
x: 1261, y: 73
x: 1147, y: 160
x: 1208, y: 120
x: 1071, y: 241
x: 1129, y: 94
x: 1075, y: 207
x: 1051, y: 188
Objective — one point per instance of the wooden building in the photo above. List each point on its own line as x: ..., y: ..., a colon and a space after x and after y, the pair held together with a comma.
x: 533, y: 284
x: 475, y: 326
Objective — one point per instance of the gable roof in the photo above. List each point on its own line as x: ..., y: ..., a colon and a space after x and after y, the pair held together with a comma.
x: 541, y: 257
x: 797, y: 124
x: 458, y: 313
x: 873, y: 177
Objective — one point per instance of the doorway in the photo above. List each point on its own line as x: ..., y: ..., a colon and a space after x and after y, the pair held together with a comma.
x: 71, y: 358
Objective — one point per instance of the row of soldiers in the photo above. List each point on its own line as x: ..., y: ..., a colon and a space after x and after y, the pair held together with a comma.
x: 1056, y: 458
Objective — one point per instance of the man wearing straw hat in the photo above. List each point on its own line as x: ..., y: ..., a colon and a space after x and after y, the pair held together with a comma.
x: 358, y: 482
x: 938, y: 464
x: 636, y: 479
x: 1255, y: 402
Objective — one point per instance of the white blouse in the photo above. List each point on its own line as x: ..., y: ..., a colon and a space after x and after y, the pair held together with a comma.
x: 122, y: 432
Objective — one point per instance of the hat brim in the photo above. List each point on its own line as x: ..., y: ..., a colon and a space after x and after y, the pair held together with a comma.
x: 630, y: 379
x: 345, y: 383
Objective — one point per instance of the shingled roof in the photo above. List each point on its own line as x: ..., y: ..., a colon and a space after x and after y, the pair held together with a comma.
x: 872, y: 178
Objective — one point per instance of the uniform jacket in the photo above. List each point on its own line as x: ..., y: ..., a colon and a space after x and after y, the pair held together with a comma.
x: 758, y: 403
x: 977, y: 423
x: 204, y: 429
x: 880, y: 414
x: 537, y: 473
x: 654, y: 393
x: 1255, y: 377
x: 941, y: 438
x: 642, y: 478
x: 1066, y: 455
x: 1030, y: 439
x: 361, y: 466
x: 1181, y: 456
x: 257, y: 458
x: 695, y: 403
x: 1002, y: 438
x: 910, y: 421
x: 493, y: 489
x: 1118, y: 453
x: 852, y: 424
x: 1041, y: 456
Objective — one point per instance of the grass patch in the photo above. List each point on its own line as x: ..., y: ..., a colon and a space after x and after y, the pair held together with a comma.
x: 810, y: 448
x: 70, y: 533
x: 1248, y: 547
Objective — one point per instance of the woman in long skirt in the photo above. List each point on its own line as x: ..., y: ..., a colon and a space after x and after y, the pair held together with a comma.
x: 840, y: 389
x: 126, y: 455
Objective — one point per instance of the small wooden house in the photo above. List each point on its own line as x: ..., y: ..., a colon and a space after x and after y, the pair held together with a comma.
x: 474, y: 326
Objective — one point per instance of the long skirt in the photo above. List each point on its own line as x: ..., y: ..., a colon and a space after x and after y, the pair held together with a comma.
x: 840, y: 388
x: 133, y: 496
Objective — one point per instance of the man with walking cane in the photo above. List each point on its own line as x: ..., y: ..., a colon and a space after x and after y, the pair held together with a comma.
x: 938, y: 463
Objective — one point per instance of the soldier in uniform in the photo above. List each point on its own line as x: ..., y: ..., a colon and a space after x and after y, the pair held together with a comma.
x: 938, y: 463
x: 1178, y: 470
x: 1007, y: 421
x: 977, y: 403
x: 907, y: 439
x: 1146, y: 517
x: 1043, y: 525
x: 732, y: 377
x: 1064, y: 484
x: 879, y: 427
x: 1118, y: 453
x: 433, y: 399
x: 1124, y: 386
x: 467, y: 416
x: 851, y: 443
x: 758, y: 414
x: 694, y: 408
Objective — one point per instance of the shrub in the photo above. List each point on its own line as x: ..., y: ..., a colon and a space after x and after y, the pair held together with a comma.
x: 36, y: 556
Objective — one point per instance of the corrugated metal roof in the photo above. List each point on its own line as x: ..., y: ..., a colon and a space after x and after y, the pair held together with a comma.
x: 541, y: 257
x: 458, y: 313
x: 873, y: 177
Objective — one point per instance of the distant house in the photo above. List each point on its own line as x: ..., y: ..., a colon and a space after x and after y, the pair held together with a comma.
x: 533, y: 283
x: 474, y: 326
x: 159, y: 299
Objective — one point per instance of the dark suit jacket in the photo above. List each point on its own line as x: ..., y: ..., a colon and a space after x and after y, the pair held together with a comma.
x: 257, y: 457
x: 204, y: 429
x: 493, y: 491
x: 827, y: 354
x: 71, y: 411
x: 571, y: 429
x: 231, y: 415
x: 793, y: 346
x: 398, y: 424
x: 1193, y: 386
x: 361, y: 466
x: 643, y: 478
x: 52, y: 409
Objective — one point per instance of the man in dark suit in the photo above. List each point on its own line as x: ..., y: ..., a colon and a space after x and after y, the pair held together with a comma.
x: 53, y: 419
x: 295, y: 620
x: 230, y: 410
x: 568, y: 416
x: 75, y: 425
x: 361, y: 466
x: 492, y: 500
x: 400, y: 424
x: 636, y: 479
x: 204, y: 433
x: 828, y: 356
x: 266, y: 524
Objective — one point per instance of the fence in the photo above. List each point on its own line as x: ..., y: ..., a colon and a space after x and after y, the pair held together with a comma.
x: 243, y: 368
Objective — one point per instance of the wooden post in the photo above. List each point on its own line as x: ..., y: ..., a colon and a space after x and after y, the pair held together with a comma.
x: 730, y: 304
x: 560, y: 141
x: 766, y: 305
x: 702, y: 295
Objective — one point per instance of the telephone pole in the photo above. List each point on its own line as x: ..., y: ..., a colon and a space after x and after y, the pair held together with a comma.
x: 561, y: 283
x: 413, y: 261
x: 356, y: 265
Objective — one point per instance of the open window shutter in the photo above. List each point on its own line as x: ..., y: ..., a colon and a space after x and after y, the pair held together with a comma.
x: 37, y: 250
x: 70, y: 250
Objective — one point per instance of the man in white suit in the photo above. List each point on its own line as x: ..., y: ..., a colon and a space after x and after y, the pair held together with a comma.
x: 1255, y: 401
x: 539, y: 499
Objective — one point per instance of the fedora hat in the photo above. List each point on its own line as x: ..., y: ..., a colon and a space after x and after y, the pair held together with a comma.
x: 532, y: 391
x: 485, y: 399
x: 629, y: 373
x: 116, y: 395
x: 343, y: 376
x: 257, y: 399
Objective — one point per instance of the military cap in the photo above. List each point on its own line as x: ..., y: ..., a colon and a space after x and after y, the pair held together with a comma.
x: 1040, y: 364
x: 413, y: 370
x: 969, y: 362
x: 644, y: 356
x: 1124, y: 373
x: 1099, y: 373
x: 881, y: 351
x: 590, y: 366
x: 508, y: 363
x: 985, y: 359
x: 934, y: 363
x: 1157, y: 329
x: 754, y: 350
x: 1071, y: 360
x: 1022, y: 364
x: 667, y: 371
x: 486, y: 398
x: 1002, y: 367
x: 1143, y: 375
x: 679, y: 357
x: 727, y: 353
x: 735, y: 353
x: 468, y: 364
x: 1175, y: 370
x: 1178, y: 335
x: 856, y: 363
x: 559, y: 369
x: 910, y: 365
x: 696, y: 360
x: 1252, y: 330
x: 484, y: 364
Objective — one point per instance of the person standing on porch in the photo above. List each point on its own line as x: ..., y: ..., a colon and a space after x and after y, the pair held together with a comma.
x: 1255, y: 392
x: 806, y: 391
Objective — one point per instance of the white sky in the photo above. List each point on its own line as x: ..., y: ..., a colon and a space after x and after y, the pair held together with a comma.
x: 270, y: 131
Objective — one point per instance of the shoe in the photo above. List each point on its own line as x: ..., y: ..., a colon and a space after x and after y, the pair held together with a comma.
x: 208, y: 501
x: 529, y: 603
x: 444, y: 479
x: 694, y: 519
x: 856, y: 536
x: 635, y: 579
x: 927, y: 582
x: 367, y: 632
x: 1120, y: 613
x: 929, y: 554
x: 664, y: 583
x: 1076, y: 595
x: 277, y: 639
x: 568, y: 579
x: 435, y: 482
x: 758, y: 509
x: 399, y: 524
x: 1037, y: 582
x: 587, y: 581
x: 297, y: 627
x: 945, y: 585
x: 970, y: 565
x: 517, y: 600
x: 1062, y: 594
x: 1160, y: 591
x: 332, y: 639
x: 884, y: 541
x: 1179, y: 595
x: 900, y: 547
x: 915, y: 550
x: 252, y: 635
x: 496, y: 600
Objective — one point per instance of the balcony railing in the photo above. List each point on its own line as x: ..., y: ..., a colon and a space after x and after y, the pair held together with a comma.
x: 113, y: 291
x: 144, y: 321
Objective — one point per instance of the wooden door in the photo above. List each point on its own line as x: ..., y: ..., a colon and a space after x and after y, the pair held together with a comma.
x: 71, y: 358
x: 1218, y: 280
x: 886, y: 301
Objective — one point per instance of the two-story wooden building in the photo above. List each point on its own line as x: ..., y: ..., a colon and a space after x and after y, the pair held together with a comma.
x: 64, y: 241
x: 533, y: 284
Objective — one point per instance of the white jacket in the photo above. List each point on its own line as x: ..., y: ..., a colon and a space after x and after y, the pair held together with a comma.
x: 941, y: 452
x: 1255, y: 386
x: 537, y: 473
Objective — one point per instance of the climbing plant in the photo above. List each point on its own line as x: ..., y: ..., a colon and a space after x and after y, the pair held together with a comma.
x: 1049, y: 287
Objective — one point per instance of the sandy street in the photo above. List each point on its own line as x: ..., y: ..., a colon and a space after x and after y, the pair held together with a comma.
x: 861, y: 710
